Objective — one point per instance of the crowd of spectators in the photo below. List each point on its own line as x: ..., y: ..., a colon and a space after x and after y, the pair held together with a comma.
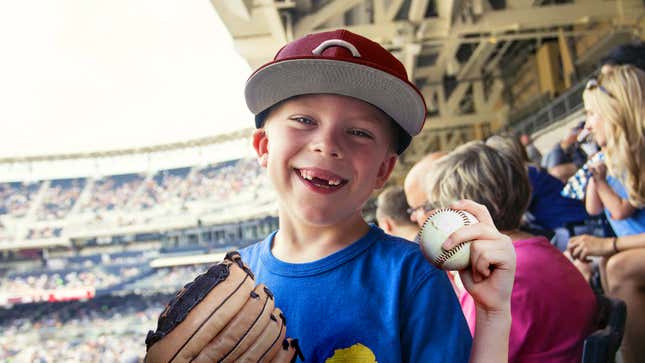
x: 166, y: 188
x: 104, y: 329
x: 15, y: 198
x: 112, y: 192
x: 44, y: 232
x: 167, y: 278
x: 95, y: 278
x: 596, y: 172
x: 222, y: 182
x: 107, y: 328
x: 60, y: 198
x: 168, y: 192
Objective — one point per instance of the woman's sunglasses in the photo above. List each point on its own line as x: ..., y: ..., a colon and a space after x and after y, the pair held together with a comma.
x: 595, y: 83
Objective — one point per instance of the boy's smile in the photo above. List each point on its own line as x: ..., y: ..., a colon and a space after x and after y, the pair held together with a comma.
x: 321, y: 181
x: 325, y: 154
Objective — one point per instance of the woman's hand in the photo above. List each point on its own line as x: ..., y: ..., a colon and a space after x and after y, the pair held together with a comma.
x: 598, y: 171
x: 489, y: 280
x: 583, y: 246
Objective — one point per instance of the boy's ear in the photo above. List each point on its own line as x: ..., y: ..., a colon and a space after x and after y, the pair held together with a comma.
x: 386, y: 225
x: 385, y: 169
x: 261, y: 146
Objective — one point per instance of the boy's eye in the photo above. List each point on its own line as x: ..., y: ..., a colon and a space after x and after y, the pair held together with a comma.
x: 360, y: 133
x: 302, y: 120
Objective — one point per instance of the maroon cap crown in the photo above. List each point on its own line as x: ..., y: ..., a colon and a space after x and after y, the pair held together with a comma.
x: 371, y: 53
x: 339, y: 62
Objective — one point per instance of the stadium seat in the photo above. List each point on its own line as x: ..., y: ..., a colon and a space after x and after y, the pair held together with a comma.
x: 601, y: 346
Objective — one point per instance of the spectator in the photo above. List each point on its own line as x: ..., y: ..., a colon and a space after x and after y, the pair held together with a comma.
x: 557, y: 217
x: 633, y: 54
x: 534, y: 155
x: 615, y: 106
x: 566, y: 156
x: 413, y: 186
x: 420, y: 209
x: 392, y: 214
x: 552, y: 306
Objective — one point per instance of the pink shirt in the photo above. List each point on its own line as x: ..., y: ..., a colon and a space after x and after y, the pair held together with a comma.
x: 552, y: 306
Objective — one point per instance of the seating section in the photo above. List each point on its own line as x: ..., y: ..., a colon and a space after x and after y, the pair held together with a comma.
x: 112, y: 192
x: 135, y: 199
x: 15, y: 198
x: 59, y: 198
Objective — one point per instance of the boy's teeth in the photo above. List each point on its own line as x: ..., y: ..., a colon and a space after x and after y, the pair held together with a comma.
x: 306, y: 174
x: 333, y: 182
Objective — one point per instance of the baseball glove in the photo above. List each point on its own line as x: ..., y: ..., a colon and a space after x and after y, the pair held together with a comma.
x: 222, y: 317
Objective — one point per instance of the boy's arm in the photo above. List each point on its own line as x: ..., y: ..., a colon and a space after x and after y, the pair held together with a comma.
x: 489, y: 280
x: 491, y: 336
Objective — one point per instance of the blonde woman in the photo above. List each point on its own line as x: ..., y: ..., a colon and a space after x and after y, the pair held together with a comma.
x: 615, y: 107
x: 552, y: 306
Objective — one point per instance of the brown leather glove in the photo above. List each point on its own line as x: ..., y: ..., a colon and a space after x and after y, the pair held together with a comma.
x: 221, y: 317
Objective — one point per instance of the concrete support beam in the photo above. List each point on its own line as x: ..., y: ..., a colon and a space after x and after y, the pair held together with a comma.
x: 472, y: 68
x: 311, y: 22
x: 417, y: 10
x: 447, y: 9
x: 394, y: 7
x: 548, y: 16
x: 445, y: 122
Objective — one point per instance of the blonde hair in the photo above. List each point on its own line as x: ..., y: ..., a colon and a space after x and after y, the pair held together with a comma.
x: 623, y: 114
x: 479, y: 172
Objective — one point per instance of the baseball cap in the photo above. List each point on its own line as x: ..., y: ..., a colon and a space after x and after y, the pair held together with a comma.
x: 344, y: 63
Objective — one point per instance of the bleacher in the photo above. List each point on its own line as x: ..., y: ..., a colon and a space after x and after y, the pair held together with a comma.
x: 55, y: 211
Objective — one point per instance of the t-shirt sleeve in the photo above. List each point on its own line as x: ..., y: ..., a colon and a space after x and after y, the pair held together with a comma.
x: 433, y: 328
x: 555, y: 157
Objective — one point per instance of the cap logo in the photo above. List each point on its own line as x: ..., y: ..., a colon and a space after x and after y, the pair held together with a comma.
x: 336, y: 43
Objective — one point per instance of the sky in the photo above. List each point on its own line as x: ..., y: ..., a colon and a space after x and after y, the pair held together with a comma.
x: 89, y: 75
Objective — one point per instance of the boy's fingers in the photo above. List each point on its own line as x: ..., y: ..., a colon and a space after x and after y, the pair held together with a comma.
x: 486, y: 253
x: 478, y: 210
x: 470, y: 233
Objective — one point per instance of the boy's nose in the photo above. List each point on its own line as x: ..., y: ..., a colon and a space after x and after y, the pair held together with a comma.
x: 328, y: 146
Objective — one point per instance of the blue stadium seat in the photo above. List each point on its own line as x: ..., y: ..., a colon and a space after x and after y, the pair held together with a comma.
x: 601, y: 346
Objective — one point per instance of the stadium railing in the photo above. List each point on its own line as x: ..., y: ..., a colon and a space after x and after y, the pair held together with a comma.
x: 556, y: 110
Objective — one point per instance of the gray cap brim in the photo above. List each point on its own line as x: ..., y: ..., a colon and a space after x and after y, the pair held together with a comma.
x: 282, y: 80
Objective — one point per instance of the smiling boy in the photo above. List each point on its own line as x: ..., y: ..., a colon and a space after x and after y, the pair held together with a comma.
x: 333, y: 112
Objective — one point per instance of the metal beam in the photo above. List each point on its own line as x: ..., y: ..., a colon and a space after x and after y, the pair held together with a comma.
x: 492, y: 65
x: 447, y: 9
x: 417, y: 10
x: 311, y: 22
x: 395, y: 5
x: 447, y: 122
x: 379, y: 11
x: 275, y: 24
x: 476, y: 60
x: 547, y: 16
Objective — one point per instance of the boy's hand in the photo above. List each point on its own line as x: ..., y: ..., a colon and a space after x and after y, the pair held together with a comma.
x: 489, y: 279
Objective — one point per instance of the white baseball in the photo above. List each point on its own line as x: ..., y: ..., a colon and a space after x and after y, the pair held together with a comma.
x: 436, y: 229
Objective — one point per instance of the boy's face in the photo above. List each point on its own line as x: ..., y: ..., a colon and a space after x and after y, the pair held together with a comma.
x: 325, y: 154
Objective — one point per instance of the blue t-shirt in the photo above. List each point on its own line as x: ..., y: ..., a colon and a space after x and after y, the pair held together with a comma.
x: 375, y: 300
x: 633, y: 224
x: 548, y: 207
